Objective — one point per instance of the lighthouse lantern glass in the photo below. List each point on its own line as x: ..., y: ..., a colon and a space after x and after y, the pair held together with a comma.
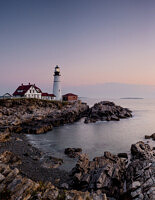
x: 57, y: 70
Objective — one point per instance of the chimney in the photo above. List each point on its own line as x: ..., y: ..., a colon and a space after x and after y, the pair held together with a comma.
x: 22, y: 84
x: 29, y: 83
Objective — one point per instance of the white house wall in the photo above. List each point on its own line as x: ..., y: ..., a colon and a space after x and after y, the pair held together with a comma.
x: 32, y: 93
x: 48, y: 98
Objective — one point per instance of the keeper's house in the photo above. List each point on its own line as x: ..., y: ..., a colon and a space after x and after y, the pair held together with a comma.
x: 32, y: 91
x: 28, y: 91
x: 70, y: 97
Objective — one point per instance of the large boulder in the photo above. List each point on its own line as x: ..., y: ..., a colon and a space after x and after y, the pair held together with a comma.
x: 73, y: 152
x: 107, y: 111
x: 141, y: 151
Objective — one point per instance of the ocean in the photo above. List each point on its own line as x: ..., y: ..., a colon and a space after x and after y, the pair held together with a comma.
x: 95, y: 138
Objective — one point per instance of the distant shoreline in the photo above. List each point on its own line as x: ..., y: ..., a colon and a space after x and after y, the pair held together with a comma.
x: 131, y: 98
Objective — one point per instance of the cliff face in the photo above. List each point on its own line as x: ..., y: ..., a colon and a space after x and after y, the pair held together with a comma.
x: 38, y: 116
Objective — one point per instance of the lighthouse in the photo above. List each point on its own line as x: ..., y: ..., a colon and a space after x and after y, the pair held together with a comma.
x: 56, y: 84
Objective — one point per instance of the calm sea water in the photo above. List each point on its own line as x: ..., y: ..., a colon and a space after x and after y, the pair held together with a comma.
x: 94, y: 139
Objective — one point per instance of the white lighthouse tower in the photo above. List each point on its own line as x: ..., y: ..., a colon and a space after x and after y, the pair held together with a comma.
x: 56, y: 84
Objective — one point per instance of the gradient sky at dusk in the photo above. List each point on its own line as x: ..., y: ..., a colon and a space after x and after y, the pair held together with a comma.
x: 93, y: 41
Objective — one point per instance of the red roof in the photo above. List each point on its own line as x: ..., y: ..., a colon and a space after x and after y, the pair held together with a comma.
x: 52, y: 95
x: 22, y: 89
x: 48, y: 95
x: 69, y: 94
x: 44, y: 94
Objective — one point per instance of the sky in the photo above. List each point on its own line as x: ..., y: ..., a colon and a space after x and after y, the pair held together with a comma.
x: 94, y: 42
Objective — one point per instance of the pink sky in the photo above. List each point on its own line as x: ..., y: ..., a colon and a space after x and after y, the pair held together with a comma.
x: 93, y: 42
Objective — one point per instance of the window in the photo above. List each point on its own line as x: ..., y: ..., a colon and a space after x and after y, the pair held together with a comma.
x: 20, y: 91
x: 30, y: 91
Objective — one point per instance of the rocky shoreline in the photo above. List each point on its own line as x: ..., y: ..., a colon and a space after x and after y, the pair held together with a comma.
x: 27, y: 173
x: 34, y: 116
x: 102, y: 178
x: 110, y: 173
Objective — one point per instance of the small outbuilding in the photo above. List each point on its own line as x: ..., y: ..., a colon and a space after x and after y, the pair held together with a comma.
x: 47, y: 96
x: 70, y: 97
x: 6, y: 96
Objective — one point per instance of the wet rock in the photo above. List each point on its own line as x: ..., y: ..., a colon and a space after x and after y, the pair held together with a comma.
x: 73, y: 152
x: 122, y: 155
x: 107, y: 111
x: 30, y: 128
x: 150, y: 136
x: 51, y: 162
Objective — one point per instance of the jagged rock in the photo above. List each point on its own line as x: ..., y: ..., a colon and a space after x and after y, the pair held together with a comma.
x: 135, y: 185
x: 13, y: 186
x: 73, y: 152
x: 65, y: 186
x: 104, y: 174
x: 140, y: 172
x: 122, y: 155
x: 4, y: 136
x: 141, y: 151
x: 150, y: 136
x: 51, y: 162
x: 9, y: 158
x: 2, y: 177
x: 107, y: 111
